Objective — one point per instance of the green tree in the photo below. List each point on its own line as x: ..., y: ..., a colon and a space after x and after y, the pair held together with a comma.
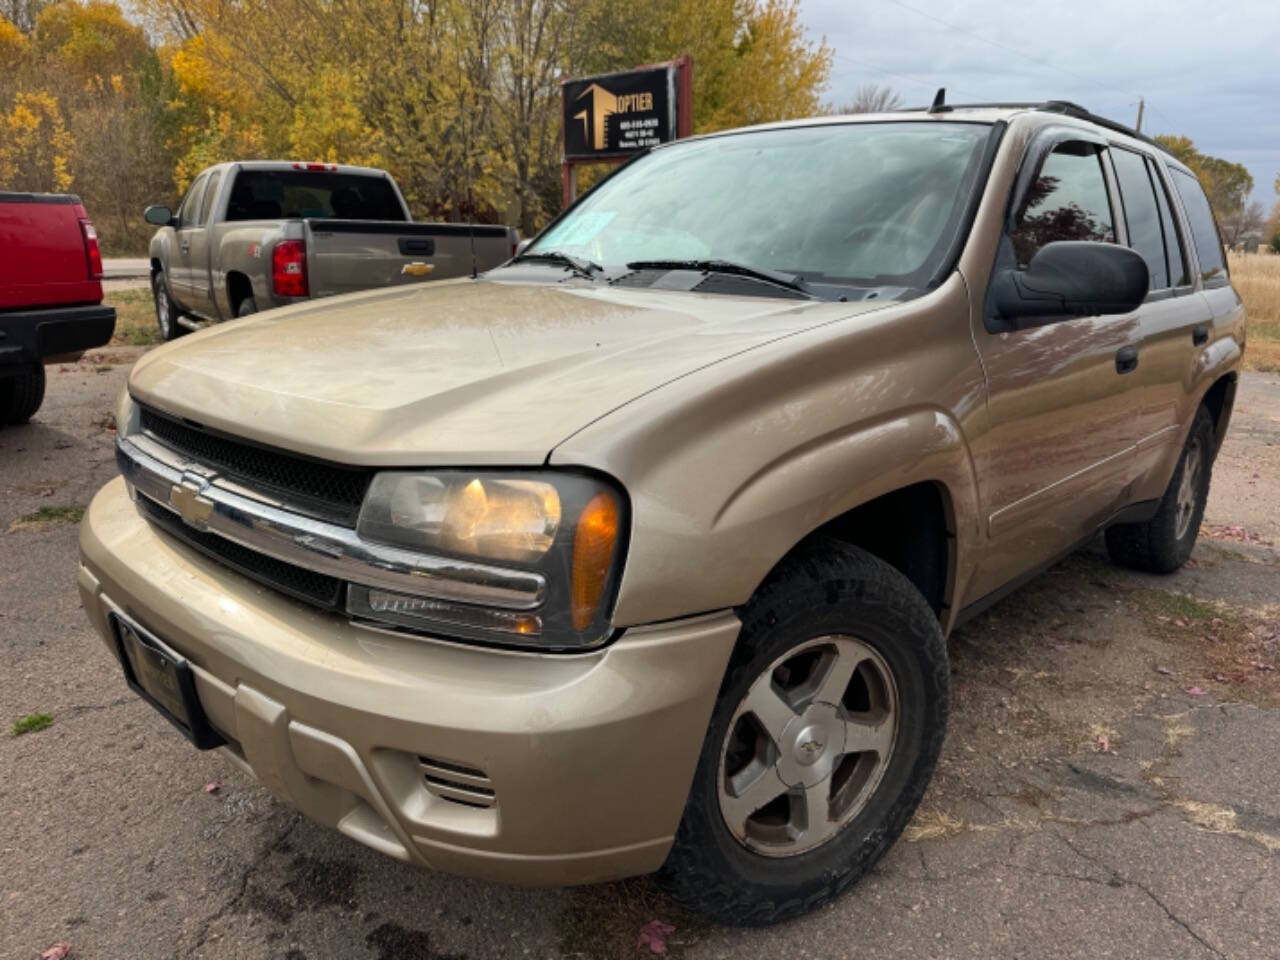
x: 1227, y: 184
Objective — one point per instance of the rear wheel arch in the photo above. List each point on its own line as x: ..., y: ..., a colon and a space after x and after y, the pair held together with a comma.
x: 239, y: 289
x: 1219, y: 400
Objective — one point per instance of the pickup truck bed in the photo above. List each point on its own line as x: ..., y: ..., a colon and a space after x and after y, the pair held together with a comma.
x: 50, y: 294
x: 255, y: 235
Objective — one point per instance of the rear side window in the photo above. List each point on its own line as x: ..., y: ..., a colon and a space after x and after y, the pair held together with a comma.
x: 1067, y: 201
x: 275, y: 194
x: 1204, y: 230
x: 210, y: 191
x: 1141, y: 213
x: 1173, y: 245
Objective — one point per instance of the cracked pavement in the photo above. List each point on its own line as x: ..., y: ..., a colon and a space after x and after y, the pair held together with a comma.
x: 1087, y: 804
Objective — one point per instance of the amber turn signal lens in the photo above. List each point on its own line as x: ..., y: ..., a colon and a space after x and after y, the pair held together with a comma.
x: 593, y: 544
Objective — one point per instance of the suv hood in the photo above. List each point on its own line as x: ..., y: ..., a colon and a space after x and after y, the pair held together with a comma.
x: 464, y: 373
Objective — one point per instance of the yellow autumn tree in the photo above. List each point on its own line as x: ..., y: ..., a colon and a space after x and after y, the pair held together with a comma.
x: 14, y: 48
x: 35, y: 148
x: 92, y: 39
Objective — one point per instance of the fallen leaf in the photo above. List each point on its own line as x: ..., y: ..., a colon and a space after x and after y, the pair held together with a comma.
x: 1196, y: 691
x: 654, y: 936
x: 59, y: 951
x: 1103, y: 744
x: 1164, y: 670
x: 213, y: 786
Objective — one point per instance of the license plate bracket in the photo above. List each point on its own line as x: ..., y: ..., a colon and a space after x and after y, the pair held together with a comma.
x: 162, y: 676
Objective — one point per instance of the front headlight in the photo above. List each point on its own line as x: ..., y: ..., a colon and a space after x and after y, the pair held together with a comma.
x: 569, y: 528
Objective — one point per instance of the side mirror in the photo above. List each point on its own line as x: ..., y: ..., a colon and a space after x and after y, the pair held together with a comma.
x: 1070, y: 278
x: 160, y: 216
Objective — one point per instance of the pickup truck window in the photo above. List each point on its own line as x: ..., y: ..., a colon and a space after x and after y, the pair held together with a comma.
x: 1068, y: 201
x: 210, y: 192
x: 273, y: 194
x: 1204, y: 229
x: 867, y: 204
x: 191, y: 203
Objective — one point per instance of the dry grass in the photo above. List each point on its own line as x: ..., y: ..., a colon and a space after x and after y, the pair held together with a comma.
x: 135, y: 318
x: 1257, y: 279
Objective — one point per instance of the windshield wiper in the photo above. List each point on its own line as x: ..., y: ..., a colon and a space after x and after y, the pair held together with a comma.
x: 579, y: 265
x: 789, y: 280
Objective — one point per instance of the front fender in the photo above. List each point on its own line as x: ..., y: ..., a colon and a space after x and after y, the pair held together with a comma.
x: 727, y: 470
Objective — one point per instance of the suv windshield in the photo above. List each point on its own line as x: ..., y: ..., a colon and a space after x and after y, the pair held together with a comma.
x: 867, y: 204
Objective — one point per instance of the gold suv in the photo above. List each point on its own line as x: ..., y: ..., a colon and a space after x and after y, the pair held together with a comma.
x: 639, y: 553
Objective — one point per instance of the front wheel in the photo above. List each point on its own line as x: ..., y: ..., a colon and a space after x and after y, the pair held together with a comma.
x: 826, y: 732
x: 166, y: 311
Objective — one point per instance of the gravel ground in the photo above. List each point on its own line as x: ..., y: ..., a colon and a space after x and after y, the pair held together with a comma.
x: 1107, y: 787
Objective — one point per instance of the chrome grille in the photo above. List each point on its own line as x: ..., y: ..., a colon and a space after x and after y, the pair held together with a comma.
x: 324, y: 489
x: 298, y: 582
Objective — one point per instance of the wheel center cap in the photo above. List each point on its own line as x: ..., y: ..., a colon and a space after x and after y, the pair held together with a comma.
x: 810, y: 746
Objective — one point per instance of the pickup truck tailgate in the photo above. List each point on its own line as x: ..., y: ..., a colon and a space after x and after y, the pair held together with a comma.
x: 348, y: 255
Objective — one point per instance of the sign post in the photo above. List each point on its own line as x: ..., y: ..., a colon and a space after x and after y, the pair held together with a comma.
x: 612, y: 117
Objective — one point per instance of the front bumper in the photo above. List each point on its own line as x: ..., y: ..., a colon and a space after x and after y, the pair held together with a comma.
x: 32, y: 336
x: 589, y: 757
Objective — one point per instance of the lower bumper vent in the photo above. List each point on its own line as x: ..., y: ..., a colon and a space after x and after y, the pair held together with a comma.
x: 452, y: 781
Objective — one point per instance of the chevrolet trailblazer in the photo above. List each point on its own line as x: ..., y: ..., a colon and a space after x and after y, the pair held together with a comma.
x: 639, y: 552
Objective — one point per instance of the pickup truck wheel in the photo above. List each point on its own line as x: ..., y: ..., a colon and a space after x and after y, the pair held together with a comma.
x: 247, y: 306
x: 166, y: 312
x: 21, y: 396
x: 825, y: 734
x: 1163, y: 543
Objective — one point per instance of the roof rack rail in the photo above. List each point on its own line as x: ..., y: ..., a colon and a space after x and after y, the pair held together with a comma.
x: 1064, y: 107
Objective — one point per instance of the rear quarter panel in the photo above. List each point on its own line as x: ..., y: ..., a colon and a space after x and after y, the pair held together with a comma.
x: 732, y: 466
x: 244, y: 246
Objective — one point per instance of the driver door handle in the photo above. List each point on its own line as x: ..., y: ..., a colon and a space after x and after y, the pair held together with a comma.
x: 1127, y: 359
x: 1200, y: 334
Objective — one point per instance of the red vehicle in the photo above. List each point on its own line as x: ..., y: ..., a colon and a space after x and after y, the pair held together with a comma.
x: 50, y: 294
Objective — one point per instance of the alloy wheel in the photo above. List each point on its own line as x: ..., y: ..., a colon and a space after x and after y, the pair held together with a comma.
x: 808, y: 745
x: 1188, y: 489
x: 162, y: 308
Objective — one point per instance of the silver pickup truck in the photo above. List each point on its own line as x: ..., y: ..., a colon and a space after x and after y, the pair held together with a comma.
x: 255, y: 235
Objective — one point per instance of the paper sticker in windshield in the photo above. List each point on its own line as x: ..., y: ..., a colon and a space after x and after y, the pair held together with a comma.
x: 578, y: 230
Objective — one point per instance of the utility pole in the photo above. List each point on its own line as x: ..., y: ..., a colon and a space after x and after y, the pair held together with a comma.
x: 1141, y: 104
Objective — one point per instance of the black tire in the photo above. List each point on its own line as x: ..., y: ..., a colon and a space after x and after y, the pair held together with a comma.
x: 828, y: 589
x: 1163, y: 543
x: 167, y: 312
x: 246, y: 307
x: 21, y: 396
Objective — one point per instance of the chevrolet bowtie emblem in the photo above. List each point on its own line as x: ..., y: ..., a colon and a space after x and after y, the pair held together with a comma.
x: 416, y: 269
x: 194, y: 509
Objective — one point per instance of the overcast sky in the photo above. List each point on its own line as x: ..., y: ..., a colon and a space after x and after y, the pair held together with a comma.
x: 1209, y: 70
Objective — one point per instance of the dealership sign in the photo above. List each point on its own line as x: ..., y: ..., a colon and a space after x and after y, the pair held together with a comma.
x: 620, y: 114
